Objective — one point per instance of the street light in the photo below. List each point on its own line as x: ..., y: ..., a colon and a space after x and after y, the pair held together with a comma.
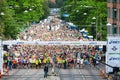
x: 94, y: 18
x: 84, y: 13
x: 2, y: 13
x: 108, y: 28
x: 93, y: 28
x: 30, y: 9
x: 25, y: 11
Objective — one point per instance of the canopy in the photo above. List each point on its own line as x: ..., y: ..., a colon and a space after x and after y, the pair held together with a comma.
x: 65, y: 15
x: 71, y: 26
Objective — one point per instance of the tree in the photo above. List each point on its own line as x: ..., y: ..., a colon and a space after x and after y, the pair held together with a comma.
x: 91, y: 8
x: 46, y: 9
x: 2, y: 4
x: 19, y: 14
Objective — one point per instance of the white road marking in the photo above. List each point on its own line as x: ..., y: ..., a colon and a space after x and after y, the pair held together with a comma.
x: 83, y: 77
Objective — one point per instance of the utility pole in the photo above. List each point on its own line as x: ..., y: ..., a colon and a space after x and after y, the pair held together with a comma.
x: 75, y: 2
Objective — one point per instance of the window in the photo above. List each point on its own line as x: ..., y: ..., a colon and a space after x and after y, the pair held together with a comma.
x: 114, y: 30
x: 119, y: 14
x: 108, y: 12
x: 108, y: 29
x: 109, y: 1
x: 114, y: 13
x: 114, y: 1
x: 119, y: 30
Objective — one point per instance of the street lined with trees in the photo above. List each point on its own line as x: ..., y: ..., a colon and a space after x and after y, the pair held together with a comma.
x: 16, y: 15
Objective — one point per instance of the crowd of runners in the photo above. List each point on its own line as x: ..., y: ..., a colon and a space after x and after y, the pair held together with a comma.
x: 35, y: 56
x: 62, y: 56
x: 54, y: 30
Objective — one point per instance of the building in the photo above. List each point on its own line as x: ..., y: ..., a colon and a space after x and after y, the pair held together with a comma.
x: 113, y: 17
x: 53, y: 1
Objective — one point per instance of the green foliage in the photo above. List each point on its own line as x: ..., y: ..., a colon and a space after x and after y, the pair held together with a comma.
x: 92, y: 8
x: 2, y: 4
x: 46, y: 9
x: 19, y: 14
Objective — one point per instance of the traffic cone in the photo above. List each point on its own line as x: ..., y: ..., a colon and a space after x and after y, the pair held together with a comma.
x: 101, y: 73
x: 104, y: 74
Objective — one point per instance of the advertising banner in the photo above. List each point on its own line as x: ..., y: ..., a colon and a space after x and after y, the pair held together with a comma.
x: 113, y: 53
x: 55, y: 42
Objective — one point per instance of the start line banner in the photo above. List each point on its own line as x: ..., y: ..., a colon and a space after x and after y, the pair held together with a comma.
x: 55, y: 42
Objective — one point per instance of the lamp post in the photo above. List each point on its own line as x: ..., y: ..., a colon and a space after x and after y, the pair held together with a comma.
x: 108, y: 28
x: 93, y: 27
x: 85, y: 14
x: 1, y: 17
x: 2, y: 13
x: 25, y: 11
x: 94, y: 22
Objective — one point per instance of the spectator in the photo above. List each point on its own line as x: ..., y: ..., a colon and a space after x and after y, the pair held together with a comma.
x: 45, y: 71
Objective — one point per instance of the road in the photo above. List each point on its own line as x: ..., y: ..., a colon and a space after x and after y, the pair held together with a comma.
x: 27, y: 74
x: 86, y: 73
x: 79, y: 74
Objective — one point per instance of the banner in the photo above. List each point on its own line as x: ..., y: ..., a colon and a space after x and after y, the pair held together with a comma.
x: 1, y: 57
x: 113, y: 53
x: 55, y: 42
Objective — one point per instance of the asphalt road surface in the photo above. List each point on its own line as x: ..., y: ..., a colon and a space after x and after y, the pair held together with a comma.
x: 79, y: 74
x: 86, y: 73
x: 27, y: 74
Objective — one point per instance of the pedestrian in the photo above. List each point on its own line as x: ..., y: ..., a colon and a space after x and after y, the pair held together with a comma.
x: 10, y: 64
x: 81, y: 63
x: 94, y: 62
x: 45, y: 71
x: 65, y: 63
x: 36, y: 63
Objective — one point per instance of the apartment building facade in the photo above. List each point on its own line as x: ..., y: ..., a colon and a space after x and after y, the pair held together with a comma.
x: 113, y: 17
x: 53, y: 1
